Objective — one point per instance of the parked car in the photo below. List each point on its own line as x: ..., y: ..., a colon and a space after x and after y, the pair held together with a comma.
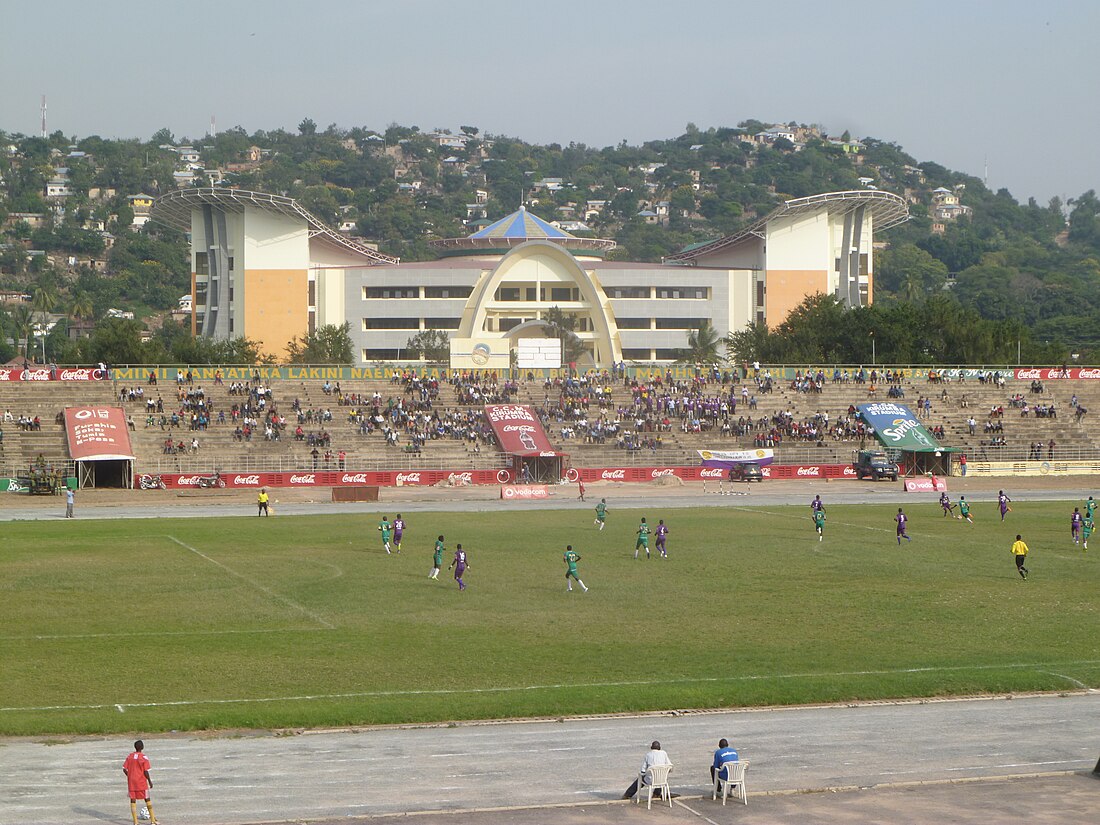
x: 746, y: 472
x: 875, y: 465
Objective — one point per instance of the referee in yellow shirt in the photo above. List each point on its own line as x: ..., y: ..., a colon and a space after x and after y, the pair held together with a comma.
x: 1019, y: 550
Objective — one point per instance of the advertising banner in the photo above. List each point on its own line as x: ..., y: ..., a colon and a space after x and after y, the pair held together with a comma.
x: 48, y: 374
x: 97, y: 433
x: 896, y: 426
x: 326, y: 478
x: 935, y: 484
x: 727, y: 458
x: 480, y: 353
x: 510, y: 492
x: 519, y: 430
x: 1055, y: 373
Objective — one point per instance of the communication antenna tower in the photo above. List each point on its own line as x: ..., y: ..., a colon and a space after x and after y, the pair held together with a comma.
x: 43, y: 115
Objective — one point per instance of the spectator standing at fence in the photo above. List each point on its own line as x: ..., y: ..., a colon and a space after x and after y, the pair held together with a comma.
x: 70, y: 501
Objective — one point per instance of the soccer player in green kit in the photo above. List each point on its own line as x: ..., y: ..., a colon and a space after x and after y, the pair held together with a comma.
x: 437, y: 559
x: 1090, y: 507
x: 601, y: 513
x: 384, y: 528
x: 571, y: 558
x: 819, y: 523
x: 643, y: 539
x: 964, y: 509
x: 1086, y: 530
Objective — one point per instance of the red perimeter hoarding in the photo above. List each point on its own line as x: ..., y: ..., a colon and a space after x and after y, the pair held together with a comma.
x: 97, y: 433
x: 48, y: 374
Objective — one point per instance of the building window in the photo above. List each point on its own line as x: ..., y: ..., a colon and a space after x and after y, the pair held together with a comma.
x: 230, y: 263
x: 633, y: 323
x: 505, y: 324
x: 373, y: 292
x: 562, y: 293
x: 200, y: 294
x: 312, y: 294
x: 391, y: 323
x: 441, y: 323
x: 680, y: 323
x: 637, y: 354
x: 676, y: 292
x: 202, y: 263
x: 312, y: 322
x: 667, y: 354
x: 379, y: 354
x: 448, y: 291
x: 508, y: 293
x: 628, y: 291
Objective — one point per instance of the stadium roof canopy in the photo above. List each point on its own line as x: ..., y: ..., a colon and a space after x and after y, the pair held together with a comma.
x: 174, y: 210
x: 886, y: 208
x: 515, y: 229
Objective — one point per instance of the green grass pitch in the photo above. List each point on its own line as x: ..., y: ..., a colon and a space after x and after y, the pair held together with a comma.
x: 150, y: 625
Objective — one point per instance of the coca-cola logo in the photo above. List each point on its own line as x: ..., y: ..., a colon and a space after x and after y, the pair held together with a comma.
x: 467, y: 478
x: 766, y: 472
x: 1089, y: 374
x: 5, y: 375
x: 667, y: 471
x: 1032, y: 373
x: 849, y: 471
x: 354, y: 478
x: 711, y: 473
x: 809, y: 471
x: 40, y: 374
x: 247, y: 481
x: 613, y: 475
x: 75, y: 375
x: 188, y: 481
x: 309, y: 478
x: 408, y: 478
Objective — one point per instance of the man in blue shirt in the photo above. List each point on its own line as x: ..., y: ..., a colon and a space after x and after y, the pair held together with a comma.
x: 724, y: 754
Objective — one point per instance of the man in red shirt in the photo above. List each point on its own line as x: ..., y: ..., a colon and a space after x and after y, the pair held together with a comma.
x: 138, y: 781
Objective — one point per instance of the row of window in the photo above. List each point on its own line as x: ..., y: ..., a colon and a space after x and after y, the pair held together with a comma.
x: 505, y: 324
x: 202, y: 263
x: 530, y: 293
x: 383, y: 354
x: 696, y: 293
x: 410, y: 323
x: 389, y: 292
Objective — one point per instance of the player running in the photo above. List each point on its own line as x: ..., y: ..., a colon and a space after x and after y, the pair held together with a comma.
x: 643, y: 539
x: 1087, y: 526
x: 1090, y: 507
x: 398, y: 530
x: 964, y: 509
x: 817, y: 505
x: 385, y: 528
x: 819, y: 523
x: 662, y: 536
x: 437, y: 559
x: 902, y: 521
x: 1075, y: 524
x: 1002, y: 502
x: 601, y: 514
x: 460, y: 565
x: 1019, y: 550
x: 945, y: 503
x: 571, y: 558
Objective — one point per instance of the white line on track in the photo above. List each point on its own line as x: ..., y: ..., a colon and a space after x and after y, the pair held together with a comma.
x: 692, y: 810
x: 287, y: 601
x: 60, y: 636
x: 1038, y: 666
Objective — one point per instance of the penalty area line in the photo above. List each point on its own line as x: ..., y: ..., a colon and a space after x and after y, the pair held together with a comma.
x: 375, y: 694
x: 278, y: 597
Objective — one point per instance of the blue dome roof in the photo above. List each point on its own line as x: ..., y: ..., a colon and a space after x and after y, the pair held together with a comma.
x: 522, y: 224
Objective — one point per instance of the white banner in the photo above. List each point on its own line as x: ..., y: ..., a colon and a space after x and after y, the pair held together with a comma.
x: 719, y: 458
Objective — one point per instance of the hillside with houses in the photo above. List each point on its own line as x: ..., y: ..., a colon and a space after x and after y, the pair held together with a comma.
x: 78, y: 253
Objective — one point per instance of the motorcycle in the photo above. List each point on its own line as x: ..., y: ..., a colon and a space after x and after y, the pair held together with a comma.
x: 148, y: 482
x: 206, y: 482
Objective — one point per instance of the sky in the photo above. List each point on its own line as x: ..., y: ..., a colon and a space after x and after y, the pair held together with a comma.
x: 1003, y: 85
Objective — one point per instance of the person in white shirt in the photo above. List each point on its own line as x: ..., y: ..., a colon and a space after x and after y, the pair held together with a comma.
x: 655, y: 756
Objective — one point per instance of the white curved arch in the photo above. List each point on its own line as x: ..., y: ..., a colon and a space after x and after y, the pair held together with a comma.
x: 607, y: 349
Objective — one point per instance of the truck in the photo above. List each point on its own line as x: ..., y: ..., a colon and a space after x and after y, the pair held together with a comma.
x: 874, y: 464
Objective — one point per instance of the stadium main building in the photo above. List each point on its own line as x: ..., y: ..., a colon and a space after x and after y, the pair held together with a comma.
x: 265, y: 268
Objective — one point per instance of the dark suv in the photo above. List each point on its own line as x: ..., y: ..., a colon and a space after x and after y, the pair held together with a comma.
x: 874, y: 465
x: 746, y: 472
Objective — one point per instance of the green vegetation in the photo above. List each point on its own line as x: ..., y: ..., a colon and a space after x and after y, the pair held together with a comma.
x: 1032, y: 270
x: 291, y: 621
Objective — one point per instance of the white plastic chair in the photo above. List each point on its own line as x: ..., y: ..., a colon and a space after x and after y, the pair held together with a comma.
x: 736, y: 773
x: 658, y: 782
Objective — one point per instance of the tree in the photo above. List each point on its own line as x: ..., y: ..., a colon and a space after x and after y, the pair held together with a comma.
x: 115, y: 341
x: 22, y: 320
x: 433, y: 345
x: 702, y: 346
x: 561, y: 327
x: 329, y: 344
x: 43, y: 300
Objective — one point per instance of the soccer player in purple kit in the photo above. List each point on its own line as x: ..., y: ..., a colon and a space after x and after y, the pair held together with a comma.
x: 1002, y: 501
x: 902, y: 520
x: 398, y: 529
x: 459, y: 564
x: 817, y: 505
x: 1075, y: 522
x: 945, y: 503
x: 662, y: 534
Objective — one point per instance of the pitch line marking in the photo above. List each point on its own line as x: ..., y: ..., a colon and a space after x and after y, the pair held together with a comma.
x: 692, y: 810
x: 1070, y: 679
x: 278, y: 597
x: 61, y: 636
x: 522, y: 688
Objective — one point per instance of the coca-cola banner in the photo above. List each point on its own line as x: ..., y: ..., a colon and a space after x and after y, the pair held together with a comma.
x: 49, y: 374
x: 518, y: 430
x: 1055, y: 373
x: 636, y: 474
x: 97, y: 433
x: 327, y: 478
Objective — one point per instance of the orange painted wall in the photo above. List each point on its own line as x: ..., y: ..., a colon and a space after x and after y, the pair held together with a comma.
x: 787, y: 288
x: 275, y: 307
